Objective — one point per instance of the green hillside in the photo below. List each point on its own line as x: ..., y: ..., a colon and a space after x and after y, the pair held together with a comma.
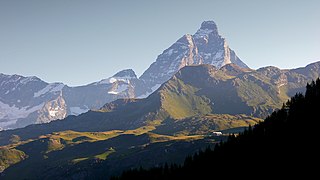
x: 73, y: 150
x: 284, y: 145
x: 10, y: 156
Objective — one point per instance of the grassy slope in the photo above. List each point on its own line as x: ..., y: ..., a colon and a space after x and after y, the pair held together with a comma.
x: 180, y: 101
x: 71, y: 149
x: 204, y: 125
x: 10, y: 156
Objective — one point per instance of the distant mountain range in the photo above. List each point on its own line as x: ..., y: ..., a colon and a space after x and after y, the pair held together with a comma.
x: 197, y: 101
x: 29, y: 100
x: 195, y: 88
x: 193, y: 91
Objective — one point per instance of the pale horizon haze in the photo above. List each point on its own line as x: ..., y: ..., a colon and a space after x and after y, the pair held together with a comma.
x: 79, y: 41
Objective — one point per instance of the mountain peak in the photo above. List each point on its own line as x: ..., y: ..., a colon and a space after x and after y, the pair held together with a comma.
x: 15, y: 78
x: 126, y: 73
x: 194, y: 73
x: 124, y: 76
x: 208, y: 25
x: 206, y: 46
x: 234, y: 69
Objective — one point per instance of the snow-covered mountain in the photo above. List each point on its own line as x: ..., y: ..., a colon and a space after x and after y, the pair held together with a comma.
x: 206, y: 46
x: 122, y: 82
x: 29, y: 100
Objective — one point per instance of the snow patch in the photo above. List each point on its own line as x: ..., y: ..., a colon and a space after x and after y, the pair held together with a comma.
x: 54, y: 87
x: 13, y: 113
x: 12, y: 79
x: 155, y: 87
x: 3, y: 125
x: 206, y: 55
x: 119, y: 89
x: 111, y: 80
x: 201, y: 33
x: 103, y: 81
x: 189, y: 39
x: 169, y: 52
x: 77, y: 111
x: 113, y: 92
x: 52, y: 113
x: 218, y: 55
x: 28, y: 79
x: 57, y: 88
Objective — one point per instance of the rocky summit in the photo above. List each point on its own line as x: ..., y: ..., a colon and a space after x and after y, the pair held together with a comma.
x: 206, y: 46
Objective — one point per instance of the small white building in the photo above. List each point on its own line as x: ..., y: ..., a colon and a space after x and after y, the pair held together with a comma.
x: 216, y: 133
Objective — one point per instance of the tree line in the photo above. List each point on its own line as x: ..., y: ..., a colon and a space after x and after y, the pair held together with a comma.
x: 284, y: 144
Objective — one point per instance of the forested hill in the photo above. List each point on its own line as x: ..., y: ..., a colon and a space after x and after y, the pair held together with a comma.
x: 284, y: 144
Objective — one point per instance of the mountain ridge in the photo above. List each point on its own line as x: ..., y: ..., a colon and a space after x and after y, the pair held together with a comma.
x: 53, y: 91
x: 192, y: 91
x: 53, y: 101
x: 183, y: 113
x: 30, y: 100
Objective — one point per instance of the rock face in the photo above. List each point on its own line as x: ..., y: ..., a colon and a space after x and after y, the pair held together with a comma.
x: 206, y: 46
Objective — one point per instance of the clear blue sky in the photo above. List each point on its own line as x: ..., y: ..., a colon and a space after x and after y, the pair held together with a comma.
x: 81, y: 41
